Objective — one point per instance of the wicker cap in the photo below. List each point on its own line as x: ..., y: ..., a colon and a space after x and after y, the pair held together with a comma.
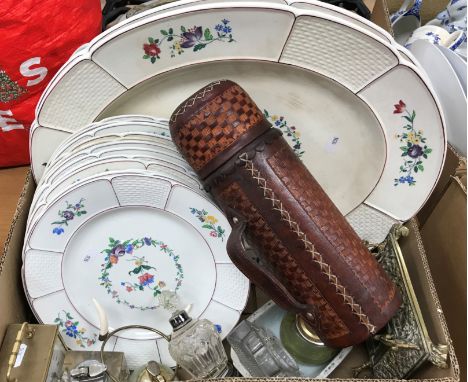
x: 215, y: 123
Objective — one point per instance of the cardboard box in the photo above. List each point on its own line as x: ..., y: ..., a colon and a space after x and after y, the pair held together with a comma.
x: 444, y: 236
x: 14, y: 306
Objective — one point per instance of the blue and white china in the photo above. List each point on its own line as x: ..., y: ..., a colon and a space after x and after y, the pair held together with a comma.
x: 432, y: 33
x: 453, y: 19
x: 406, y: 20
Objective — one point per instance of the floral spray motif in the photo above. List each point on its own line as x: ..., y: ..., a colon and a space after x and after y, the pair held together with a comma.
x: 414, y: 148
x: 290, y: 131
x: 209, y: 222
x: 196, y: 38
x: 71, y: 328
x: 71, y: 211
x: 145, y: 273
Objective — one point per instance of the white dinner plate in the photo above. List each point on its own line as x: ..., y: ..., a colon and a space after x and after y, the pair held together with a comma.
x: 142, y: 155
x: 458, y: 64
x: 117, y: 238
x: 114, y: 126
x: 448, y: 88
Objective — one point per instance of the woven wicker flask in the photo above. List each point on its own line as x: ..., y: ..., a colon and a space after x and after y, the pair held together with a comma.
x: 287, y: 235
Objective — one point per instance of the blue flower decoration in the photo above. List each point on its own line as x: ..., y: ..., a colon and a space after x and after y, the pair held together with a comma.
x: 147, y: 240
x: 218, y: 328
x: 219, y: 27
x: 227, y: 29
x: 129, y: 248
x: 225, y: 22
x: 407, y: 179
x: 58, y: 230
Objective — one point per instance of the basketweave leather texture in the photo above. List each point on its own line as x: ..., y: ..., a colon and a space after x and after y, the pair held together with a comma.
x: 212, y: 120
x: 306, y: 255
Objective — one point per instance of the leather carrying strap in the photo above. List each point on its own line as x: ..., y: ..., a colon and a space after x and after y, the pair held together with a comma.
x: 244, y: 257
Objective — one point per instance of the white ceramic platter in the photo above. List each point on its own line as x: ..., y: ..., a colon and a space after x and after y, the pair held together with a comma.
x: 448, y: 88
x: 333, y: 82
x: 124, y: 238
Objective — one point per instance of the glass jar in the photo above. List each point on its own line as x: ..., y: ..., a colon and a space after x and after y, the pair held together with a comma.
x: 302, y: 343
x: 196, y: 346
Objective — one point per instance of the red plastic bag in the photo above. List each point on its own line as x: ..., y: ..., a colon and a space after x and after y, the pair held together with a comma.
x: 37, y: 37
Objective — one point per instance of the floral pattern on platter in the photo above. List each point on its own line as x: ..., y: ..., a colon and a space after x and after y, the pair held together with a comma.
x: 71, y: 328
x: 414, y: 149
x: 209, y: 222
x: 71, y: 211
x: 290, y: 131
x: 145, y: 274
x: 196, y: 38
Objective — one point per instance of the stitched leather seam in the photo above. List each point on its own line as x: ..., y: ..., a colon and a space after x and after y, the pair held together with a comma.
x: 316, y: 257
x: 339, y: 327
x: 191, y: 101
x: 273, y: 161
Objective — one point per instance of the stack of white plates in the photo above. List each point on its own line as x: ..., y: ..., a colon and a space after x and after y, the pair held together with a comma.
x: 120, y: 217
x: 352, y: 103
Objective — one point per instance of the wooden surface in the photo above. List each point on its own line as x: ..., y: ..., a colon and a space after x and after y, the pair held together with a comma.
x: 11, y: 184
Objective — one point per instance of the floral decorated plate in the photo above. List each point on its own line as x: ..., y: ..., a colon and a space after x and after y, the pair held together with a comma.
x: 309, y: 81
x: 109, y: 157
x: 49, y: 191
x: 130, y: 240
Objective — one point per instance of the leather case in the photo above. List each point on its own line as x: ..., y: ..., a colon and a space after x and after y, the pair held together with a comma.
x: 288, y: 237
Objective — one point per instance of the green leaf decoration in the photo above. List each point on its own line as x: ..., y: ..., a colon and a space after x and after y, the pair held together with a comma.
x: 198, y: 47
x: 163, y: 32
x: 208, y: 35
x: 182, y: 29
x: 171, y: 31
x: 151, y: 40
x: 207, y: 226
x: 170, y: 38
x: 153, y: 60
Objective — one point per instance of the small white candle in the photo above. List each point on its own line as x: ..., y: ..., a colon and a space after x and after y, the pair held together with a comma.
x: 103, y: 322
